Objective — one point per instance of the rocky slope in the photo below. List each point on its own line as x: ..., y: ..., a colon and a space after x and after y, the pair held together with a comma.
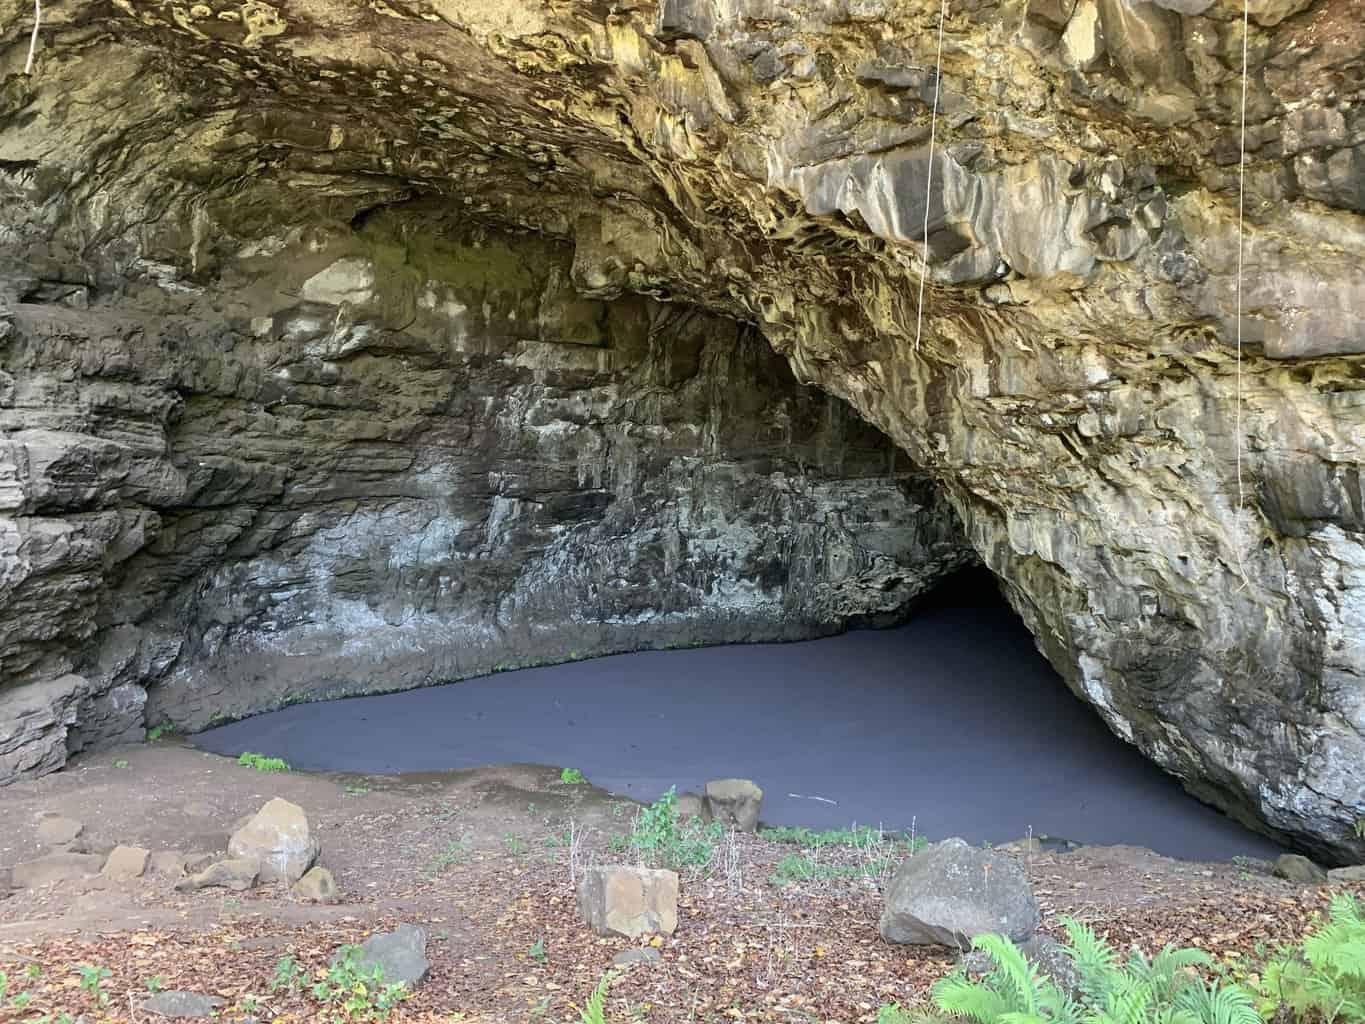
x: 1180, y: 528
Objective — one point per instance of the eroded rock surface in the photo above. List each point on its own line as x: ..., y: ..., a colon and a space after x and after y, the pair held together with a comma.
x: 203, y: 300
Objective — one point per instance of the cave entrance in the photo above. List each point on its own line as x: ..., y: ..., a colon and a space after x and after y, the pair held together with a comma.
x: 951, y: 724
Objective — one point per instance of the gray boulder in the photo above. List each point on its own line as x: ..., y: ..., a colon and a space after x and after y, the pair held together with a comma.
x: 734, y: 802
x: 278, y: 836
x: 952, y: 892
x: 401, y: 954
x: 1355, y: 873
x: 1299, y: 869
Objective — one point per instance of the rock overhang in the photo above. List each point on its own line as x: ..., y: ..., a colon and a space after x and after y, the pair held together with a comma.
x: 1075, y: 390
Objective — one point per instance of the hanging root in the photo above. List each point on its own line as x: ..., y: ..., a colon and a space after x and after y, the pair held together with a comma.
x: 929, y: 180
x: 33, y: 39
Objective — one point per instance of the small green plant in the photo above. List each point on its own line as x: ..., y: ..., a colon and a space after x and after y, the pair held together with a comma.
x: 456, y: 852
x: 33, y: 972
x: 262, y: 763
x: 1163, y: 990
x: 120, y: 763
x: 355, y: 789
x: 891, y: 1013
x: 804, y: 868
x: 154, y: 984
x: 357, y: 992
x: 288, y: 976
x: 594, y: 1009
x: 564, y: 838
x: 661, y: 840
x: 572, y: 777
x: 1359, y: 827
x: 537, y: 951
x: 513, y: 845
x: 92, y: 982
x: 1324, y: 977
x: 857, y: 838
x: 156, y: 732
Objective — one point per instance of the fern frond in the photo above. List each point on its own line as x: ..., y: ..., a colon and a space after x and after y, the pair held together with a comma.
x: 959, y: 996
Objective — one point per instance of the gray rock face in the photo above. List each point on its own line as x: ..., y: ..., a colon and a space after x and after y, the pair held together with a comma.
x: 401, y: 954
x: 516, y: 476
x: 272, y: 428
x: 951, y: 892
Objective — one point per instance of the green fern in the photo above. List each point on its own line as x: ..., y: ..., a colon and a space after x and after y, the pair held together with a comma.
x: 594, y: 1009
x: 1163, y: 990
x: 1325, y: 977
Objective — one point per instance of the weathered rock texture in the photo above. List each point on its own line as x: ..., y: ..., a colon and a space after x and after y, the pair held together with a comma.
x: 1071, y: 379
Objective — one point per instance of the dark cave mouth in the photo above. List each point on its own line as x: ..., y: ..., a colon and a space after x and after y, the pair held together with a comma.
x: 950, y: 723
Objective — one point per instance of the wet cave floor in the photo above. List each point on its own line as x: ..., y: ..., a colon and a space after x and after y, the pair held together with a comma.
x: 952, y: 724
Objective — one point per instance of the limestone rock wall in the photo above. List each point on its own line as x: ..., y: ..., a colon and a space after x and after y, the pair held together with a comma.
x: 1178, y: 521
x: 398, y: 463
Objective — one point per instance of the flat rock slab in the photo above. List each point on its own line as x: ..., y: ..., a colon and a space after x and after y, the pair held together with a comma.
x: 279, y: 838
x: 56, y: 867
x: 952, y: 892
x: 640, y: 955
x: 401, y: 954
x: 58, y: 831
x: 126, y: 863
x: 629, y: 901
x: 182, y: 1005
x: 237, y: 874
x: 1355, y: 873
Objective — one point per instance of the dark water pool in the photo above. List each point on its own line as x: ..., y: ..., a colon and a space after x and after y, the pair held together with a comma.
x: 953, y: 723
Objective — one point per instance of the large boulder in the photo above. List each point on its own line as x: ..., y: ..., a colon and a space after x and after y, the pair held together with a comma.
x: 278, y: 837
x: 952, y: 892
x: 627, y: 900
x: 734, y: 802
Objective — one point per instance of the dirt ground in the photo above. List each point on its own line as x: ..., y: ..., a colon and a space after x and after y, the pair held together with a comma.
x: 482, y: 860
